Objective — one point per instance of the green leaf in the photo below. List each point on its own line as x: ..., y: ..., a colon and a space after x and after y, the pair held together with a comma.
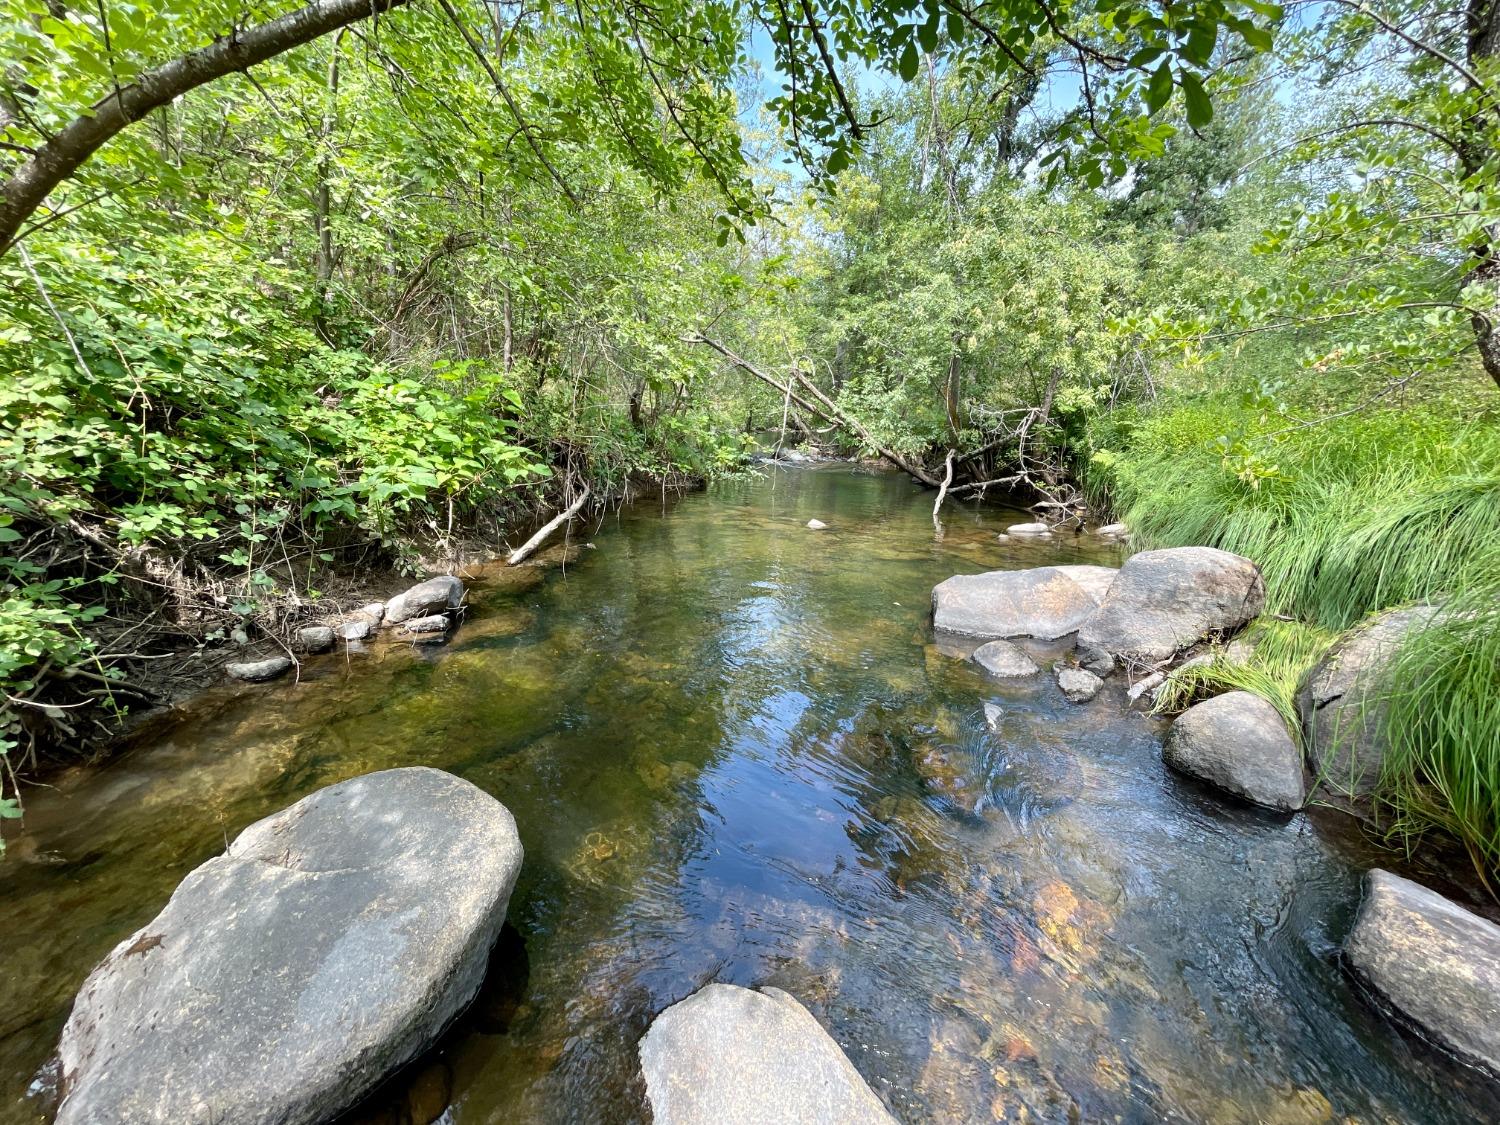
x: 1200, y: 111
x: 908, y: 64
x: 1159, y: 89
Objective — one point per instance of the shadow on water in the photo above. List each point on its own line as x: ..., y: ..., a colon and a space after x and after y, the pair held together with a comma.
x: 735, y: 753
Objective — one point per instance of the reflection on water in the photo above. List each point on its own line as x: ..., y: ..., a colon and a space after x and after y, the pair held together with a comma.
x: 736, y: 754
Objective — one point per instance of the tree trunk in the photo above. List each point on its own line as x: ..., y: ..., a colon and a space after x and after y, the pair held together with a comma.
x: 1482, y: 292
x: 321, y: 225
x: 58, y: 158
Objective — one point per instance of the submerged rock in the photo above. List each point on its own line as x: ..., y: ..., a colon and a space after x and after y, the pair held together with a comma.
x: 315, y: 638
x: 1436, y: 963
x: 1341, y: 714
x: 328, y: 946
x: 444, y: 592
x: 1239, y: 742
x: 1045, y: 602
x: 1079, y: 685
x: 1164, y: 601
x: 817, y: 525
x: 1005, y: 660
x: 733, y: 1056
x: 1031, y: 529
x: 259, y: 671
x: 1113, y: 531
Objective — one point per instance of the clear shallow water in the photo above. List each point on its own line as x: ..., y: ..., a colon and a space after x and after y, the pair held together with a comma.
x: 735, y: 754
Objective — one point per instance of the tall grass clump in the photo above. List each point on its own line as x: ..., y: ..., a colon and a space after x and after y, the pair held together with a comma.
x: 1346, y: 517
x: 1269, y: 659
x: 1441, y: 726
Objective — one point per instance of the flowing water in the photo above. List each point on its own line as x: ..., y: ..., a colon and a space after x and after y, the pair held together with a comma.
x: 735, y: 753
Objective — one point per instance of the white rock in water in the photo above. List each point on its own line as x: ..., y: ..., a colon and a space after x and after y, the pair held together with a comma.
x: 1036, y: 530
x: 331, y: 944
x: 993, y: 715
x: 817, y: 525
x: 1114, y: 531
x: 356, y: 630
x: 732, y: 1056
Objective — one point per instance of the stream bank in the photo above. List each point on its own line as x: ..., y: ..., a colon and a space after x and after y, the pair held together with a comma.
x: 713, y: 730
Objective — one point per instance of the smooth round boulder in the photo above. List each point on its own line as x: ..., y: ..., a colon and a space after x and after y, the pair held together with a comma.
x: 259, y: 671
x: 1239, y: 742
x: 443, y: 592
x: 1045, y: 602
x: 327, y: 947
x: 1340, y: 710
x: 375, y: 611
x: 1004, y: 660
x: 1164, y: 601
x: 1079, y: 685
x: 734, y: 1056
x: 1435, y: 963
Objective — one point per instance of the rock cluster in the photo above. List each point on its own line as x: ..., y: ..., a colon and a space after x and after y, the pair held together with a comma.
x: 425, y: 613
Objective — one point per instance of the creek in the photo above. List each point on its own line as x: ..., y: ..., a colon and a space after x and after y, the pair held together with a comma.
x: 735, y: 753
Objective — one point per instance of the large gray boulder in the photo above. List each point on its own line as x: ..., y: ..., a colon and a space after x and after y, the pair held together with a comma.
x: 433, y: 596
x: 1341, y: 714
x: 331, y: 944
x: 1045, y: 602
x: 732, y: 1056
x: 1164, y: 601
x: 1433, y: 961
x: 1239, y: 742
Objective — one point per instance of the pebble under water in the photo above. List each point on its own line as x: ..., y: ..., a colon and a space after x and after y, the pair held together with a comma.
x: 735, y: 753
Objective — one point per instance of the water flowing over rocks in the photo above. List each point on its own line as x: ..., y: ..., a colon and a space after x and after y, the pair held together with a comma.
x: 1004, y: 660
x: 1433, y: 961
x: 433, y: 596
x: 1341, y: 716
x: 733, y: 1056
x: 328, y: 946
x: 259, y: 671
x: 1079, y: 685
x: 1239, y: 742
x: 1164, y: 601
x: 1045, y: 602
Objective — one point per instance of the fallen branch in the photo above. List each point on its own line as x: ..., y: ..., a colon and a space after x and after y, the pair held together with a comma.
x: 943, y: 491
x: 528, y: 548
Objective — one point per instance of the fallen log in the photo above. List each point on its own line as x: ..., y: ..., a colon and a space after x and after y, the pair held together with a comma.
x: 528, y: 548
